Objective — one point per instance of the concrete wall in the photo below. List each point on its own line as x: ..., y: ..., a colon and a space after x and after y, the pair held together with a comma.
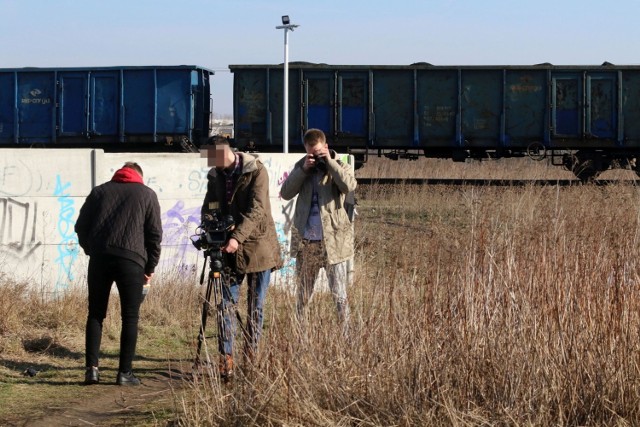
x: 42, y: 190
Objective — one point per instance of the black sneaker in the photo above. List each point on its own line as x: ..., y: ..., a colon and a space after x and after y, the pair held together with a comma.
x: 127, y: 378
x: 91, y: 375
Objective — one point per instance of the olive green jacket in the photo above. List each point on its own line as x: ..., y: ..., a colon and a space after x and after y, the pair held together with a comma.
x: 333, y: 186
x: 255, y: 230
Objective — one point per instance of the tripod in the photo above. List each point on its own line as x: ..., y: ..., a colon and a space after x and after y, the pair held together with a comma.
x: 218, y: 282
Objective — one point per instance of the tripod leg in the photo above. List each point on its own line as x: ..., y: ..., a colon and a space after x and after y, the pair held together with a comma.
x: 221, y: 306
x: 203, y: 321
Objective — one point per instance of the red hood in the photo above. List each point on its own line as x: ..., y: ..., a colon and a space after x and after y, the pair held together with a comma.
x: 127, y: 175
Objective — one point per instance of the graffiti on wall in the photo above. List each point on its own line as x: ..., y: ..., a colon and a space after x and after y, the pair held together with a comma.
x: 178, y: 225
x: 39, y: 203
x: 280, y: 173
x: 198, y: 181
x: 189, y: 183
x: 18, y: 228
x: 68, y: 243
x: 17, y: 179
x: 289, y: 264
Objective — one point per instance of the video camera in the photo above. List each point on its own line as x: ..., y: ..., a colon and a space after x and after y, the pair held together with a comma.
x: 214, y: 231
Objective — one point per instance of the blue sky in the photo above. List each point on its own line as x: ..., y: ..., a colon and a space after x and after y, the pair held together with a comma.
x: 214, y: 34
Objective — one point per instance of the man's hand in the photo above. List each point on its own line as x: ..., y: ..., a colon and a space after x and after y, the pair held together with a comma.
x: 231, y: 247
x: 322, y: 151
x: 145, y: 287
x: 309, y: 163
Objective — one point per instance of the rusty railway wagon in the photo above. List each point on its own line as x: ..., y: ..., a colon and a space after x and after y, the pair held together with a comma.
x: 585, y: 118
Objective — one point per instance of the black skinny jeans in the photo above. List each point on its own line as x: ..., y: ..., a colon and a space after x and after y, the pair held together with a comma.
x: 129, y: 278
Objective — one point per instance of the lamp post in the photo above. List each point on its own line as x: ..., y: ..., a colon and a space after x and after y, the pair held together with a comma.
x: 286, y: 26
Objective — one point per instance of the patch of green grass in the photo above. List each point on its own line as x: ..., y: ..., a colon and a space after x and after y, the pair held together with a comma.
x: 34, y: 397
x: 56, y: 352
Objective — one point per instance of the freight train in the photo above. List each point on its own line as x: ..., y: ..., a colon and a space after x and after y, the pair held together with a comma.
x: 585, y: 118
x: 150, y: 108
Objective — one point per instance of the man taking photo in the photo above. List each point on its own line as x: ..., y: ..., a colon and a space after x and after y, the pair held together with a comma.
x: 322, y: 233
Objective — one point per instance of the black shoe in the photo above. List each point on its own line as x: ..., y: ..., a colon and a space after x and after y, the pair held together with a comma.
x: 127, y: 378
x: 91, y: 376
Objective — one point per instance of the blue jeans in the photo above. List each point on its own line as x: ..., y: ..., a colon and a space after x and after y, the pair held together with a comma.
x: 257, y: 292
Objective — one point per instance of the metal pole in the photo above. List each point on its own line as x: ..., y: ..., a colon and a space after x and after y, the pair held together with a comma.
x: 286, y: 26
x: 285, y: 120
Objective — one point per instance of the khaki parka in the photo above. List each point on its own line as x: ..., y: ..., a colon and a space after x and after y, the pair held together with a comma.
x: 333, y: 186
x: 255, y: 229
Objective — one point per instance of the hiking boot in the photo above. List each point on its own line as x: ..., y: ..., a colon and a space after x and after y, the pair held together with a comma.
x: 91, y: 375
x: 127, y: 378
x: 225, y: 367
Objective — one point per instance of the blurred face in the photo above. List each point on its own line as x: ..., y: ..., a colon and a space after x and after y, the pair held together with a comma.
x: 219, y: 156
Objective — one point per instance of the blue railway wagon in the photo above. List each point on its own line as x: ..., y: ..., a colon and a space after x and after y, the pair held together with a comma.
x: 586, y: 118
x: 110, y: 107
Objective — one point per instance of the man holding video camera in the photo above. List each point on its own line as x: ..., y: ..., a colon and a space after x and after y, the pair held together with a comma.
x: 322, y: 233
x: 238, y: 185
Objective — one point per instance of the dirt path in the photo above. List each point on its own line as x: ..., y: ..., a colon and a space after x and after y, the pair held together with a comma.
x: 105, y: 404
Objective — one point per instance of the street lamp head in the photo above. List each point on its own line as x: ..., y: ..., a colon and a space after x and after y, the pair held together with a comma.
x: 286, y: 24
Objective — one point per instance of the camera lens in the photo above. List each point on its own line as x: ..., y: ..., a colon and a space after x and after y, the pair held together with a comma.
x: 321, y: 163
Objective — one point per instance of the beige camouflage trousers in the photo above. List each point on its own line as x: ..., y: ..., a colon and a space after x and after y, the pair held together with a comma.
x: 311, y: 258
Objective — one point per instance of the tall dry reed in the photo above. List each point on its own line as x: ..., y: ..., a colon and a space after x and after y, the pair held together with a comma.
x: 471, y: 306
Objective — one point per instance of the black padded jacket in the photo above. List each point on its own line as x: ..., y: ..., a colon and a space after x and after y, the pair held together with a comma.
x: 122, y: 219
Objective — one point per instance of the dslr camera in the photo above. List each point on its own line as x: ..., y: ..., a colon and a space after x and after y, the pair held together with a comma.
x: 214, y: 231
x: 321, y: 163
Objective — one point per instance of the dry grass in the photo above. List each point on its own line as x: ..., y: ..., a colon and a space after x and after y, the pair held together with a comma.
x: 35, y: 322
x: 517, y: 168
x: 470, y: 306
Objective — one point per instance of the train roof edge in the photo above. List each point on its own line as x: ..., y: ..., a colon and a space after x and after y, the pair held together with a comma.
x: 109, y: 68
x: 426, y: 65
